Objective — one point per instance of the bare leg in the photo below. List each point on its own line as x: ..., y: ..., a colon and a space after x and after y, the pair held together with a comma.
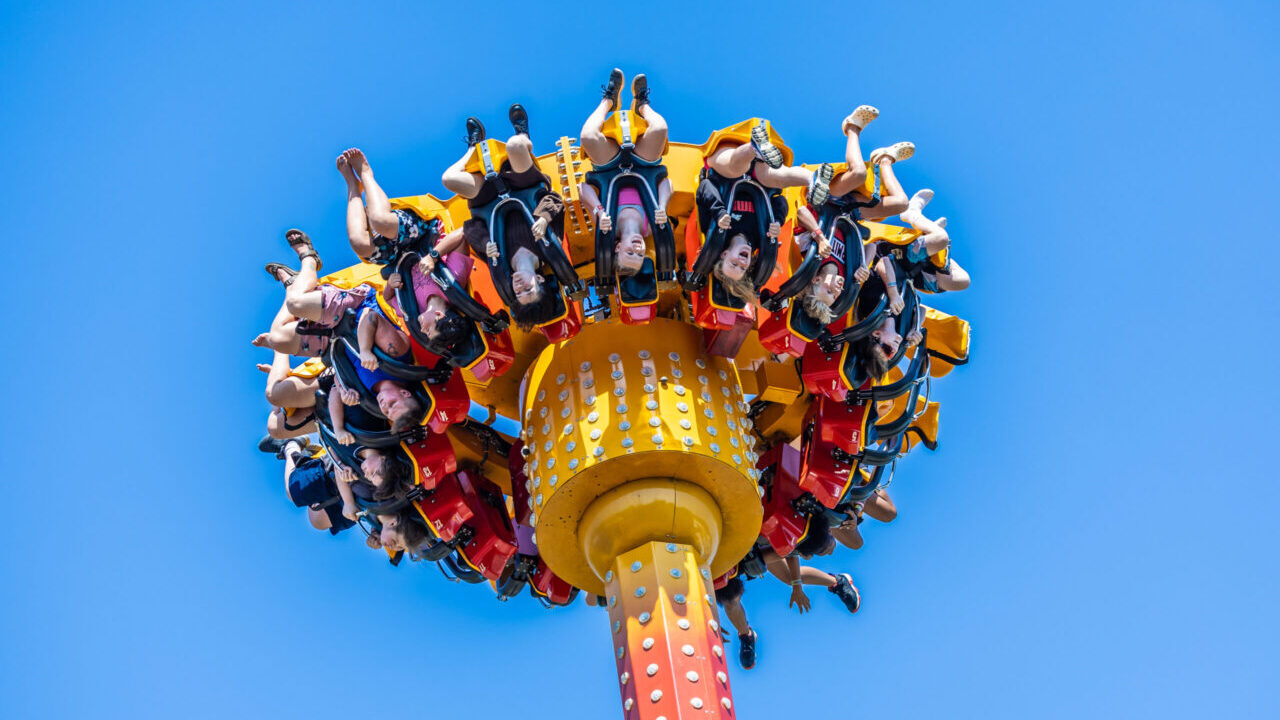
x: 881, y: 507
x: 285, y: 390
x: 377, y: 207
x: 276, y: 427
x: 853, y: 178
x: 732, y: 160
x: 957, y: 280
x: 303, y: 298
x: 318, y: 519
x: 814, y: 576
x: 357, y: 222
x: 893, y: 199
x: 783, y: 177
x: 651, y: 144
x: 458, y: 180
x: 737, y: 615
x: 520, y: 153
x: 599, y: 148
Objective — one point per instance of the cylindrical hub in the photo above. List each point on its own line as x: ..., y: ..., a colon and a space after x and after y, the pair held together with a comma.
x: 666, y: 638
x: 612, y: 412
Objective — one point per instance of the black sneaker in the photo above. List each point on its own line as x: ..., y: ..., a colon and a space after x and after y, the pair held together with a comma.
x: 475, y: 130
x: 747, y: 650
x: 611, y: 88
x: 519, y: 119
x: 820, y: 190
x: 848, y: 594
x: 272, y: 446
x: 765, y: 149
x: 639, y: 92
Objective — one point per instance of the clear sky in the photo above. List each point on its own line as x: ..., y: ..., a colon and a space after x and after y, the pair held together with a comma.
x: 1095, y: 535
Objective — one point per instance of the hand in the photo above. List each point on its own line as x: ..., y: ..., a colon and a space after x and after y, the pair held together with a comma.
x: 774, y: 230
x: 350, y: 512
x: 373, y: 541
x: 539, y: 228
x: 660, y: 216
x: 427, y: 264
x: 394, y: 281
x: 895, y: 302
x: 604, y: 222
x: 368, y: 360
x: 824, y: 245
x: 344, y: 473
x: 349, y: 396
x: 491, y: 249
x: 913, y: 338
x: 862, y: 273
x: 344, y: 437
x: 799, y: 600
x: 724, y: 221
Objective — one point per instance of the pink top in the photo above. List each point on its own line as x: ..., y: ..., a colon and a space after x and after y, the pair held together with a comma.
x: 630, y: 197
x: 424, y: 288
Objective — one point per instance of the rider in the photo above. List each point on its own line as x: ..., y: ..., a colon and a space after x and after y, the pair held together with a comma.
x: 524, y: 259
x: 377, y: 232
x: 916, y: 259
x: 817, y: 541
x: 632, y: 221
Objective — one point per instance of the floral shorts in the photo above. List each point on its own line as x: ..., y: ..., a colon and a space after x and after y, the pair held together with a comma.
x: 415, y: 234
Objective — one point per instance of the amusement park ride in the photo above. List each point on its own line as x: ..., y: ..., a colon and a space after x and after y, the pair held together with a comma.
x: 665, y: 433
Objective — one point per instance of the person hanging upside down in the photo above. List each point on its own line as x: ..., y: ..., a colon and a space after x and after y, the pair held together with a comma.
x: 632, y: 222
x: 761, y: 162
x: 310, y: 482
x: 916, y: 259
x: 817, y: 541
x: 378, y: 232
x: 395, y: 400
x: 437, y: 318
x: 524, y: 265
x: 730, y: 598
x: 308, y: 304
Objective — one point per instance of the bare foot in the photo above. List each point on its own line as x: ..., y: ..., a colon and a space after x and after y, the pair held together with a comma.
x: 356, y: 159
x: 262, y: 340
x: 344, y: 167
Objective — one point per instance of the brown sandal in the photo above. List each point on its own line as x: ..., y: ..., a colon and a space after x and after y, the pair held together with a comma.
x: 273, y: 269
x: 301, y: 244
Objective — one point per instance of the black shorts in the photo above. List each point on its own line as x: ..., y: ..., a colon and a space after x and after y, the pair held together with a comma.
x: 731, y: 591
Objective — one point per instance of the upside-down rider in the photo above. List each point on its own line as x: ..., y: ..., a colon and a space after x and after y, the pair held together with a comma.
x: 377, y: 232
x: 849, y: 198
x: 761, y: 162
x: 640, y: 203
x: 523, y: 269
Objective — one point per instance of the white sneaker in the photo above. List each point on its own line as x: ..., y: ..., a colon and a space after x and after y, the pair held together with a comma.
x: 765, y: 150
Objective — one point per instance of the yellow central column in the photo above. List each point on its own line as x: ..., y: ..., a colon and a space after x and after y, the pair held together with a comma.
x: 642, y: 476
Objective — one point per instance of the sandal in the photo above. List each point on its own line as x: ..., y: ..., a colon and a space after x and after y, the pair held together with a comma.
x: 273, y: 269
x: 301, y: 244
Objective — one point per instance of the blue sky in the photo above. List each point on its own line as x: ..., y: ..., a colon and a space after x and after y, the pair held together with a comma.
x: 1094, y: 536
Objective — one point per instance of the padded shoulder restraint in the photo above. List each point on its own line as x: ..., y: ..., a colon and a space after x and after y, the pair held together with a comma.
x: 630, y: 170
x: 716, y: 238
x: 345, y: 332
x: 496, y: 214
x: 464, y: 352
x: 798, y: 281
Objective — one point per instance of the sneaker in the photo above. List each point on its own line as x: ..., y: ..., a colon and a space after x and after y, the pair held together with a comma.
x: 475, y: 130
x: 847, y: 592
x: 610, y: 89
x: 639, y: 92
x: 895, y: 152
x: 747, y: 650
x: 821, y: 187
x: 860, y: 118
x: 765, y: 150
x: 519, y: 119
x: 272, y: 446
